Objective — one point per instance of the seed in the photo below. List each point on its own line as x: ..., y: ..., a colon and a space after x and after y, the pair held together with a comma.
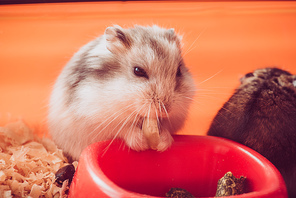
x: 151, y: 132
x: 64, y: 173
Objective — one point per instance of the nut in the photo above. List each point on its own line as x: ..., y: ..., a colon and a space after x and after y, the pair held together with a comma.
x: 151, y: 132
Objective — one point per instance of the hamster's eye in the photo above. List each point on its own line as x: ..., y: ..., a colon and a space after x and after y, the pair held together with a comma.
x: 248, y: 75
x: 179, y: 71
x: 276, y: 81
x: 138, y: 71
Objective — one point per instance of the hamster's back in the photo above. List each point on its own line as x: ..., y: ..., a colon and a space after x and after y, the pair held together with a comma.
x: 261, y: 114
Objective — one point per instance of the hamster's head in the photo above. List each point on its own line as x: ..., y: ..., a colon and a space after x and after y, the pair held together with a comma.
x: 273, y: 76
x: 270, y: 85
x: 147, y: 78
x: 263, y: 90
x: 159, y: 84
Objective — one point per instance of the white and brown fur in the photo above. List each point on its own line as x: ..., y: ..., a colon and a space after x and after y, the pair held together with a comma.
x: 98, y: 96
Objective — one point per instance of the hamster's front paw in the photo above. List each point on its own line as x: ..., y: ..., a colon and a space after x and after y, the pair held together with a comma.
x: 136, y: 141
x: 166, y: 141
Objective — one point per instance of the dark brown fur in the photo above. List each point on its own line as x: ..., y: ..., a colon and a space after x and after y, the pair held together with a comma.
x: 81, y: 71
x: 261, y: 114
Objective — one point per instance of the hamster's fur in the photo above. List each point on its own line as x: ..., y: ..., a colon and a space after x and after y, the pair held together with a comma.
x: 261, y: 114
x: 116, y: 80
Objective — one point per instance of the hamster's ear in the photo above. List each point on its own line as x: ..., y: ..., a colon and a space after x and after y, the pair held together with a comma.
x: 173, y: 37
x: 117, y: 41
x: 170, y: 34
x: 294, y: 81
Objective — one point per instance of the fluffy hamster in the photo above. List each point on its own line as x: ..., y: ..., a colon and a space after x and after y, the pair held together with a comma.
x: 261, y: 114
x: 111, y: 84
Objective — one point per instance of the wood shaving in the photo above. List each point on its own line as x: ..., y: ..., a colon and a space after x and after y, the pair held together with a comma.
x: 28, y: 164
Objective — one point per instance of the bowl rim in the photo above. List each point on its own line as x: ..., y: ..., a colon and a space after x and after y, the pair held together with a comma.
x: 111, y: 189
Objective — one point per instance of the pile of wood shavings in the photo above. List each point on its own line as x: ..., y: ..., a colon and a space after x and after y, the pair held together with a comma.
x: 28, y: 164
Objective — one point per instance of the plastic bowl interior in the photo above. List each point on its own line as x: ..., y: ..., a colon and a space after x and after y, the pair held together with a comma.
x: 194, y: 163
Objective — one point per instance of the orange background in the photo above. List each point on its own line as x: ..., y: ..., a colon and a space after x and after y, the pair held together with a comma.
x: 222, y: 41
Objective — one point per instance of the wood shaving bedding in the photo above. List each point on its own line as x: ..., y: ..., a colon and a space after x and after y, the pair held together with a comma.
x: 28, y: 164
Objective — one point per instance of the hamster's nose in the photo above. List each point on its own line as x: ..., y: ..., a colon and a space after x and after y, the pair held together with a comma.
x: 163, y: 108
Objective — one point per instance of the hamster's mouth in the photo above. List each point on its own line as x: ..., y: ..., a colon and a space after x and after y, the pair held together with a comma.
x: 139, y: 124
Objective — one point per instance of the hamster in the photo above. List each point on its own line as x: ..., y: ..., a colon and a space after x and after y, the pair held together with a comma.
x: 261, y: 114
x: 112, y: 83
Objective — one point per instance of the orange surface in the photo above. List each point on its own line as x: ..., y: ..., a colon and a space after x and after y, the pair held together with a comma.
x: 223, y: 40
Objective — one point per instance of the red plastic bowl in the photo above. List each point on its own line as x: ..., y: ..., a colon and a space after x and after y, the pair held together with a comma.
x: 194, y: 163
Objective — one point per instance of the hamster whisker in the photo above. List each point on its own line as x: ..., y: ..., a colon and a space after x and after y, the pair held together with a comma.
x: 213, y: 97
x: 224, y: 115
x: 166, y: 112
x: 110, y: 119
x: 136, y: 119
x: 133, y: 126
x: 213, y: 94
x: 135, y: 114
x: 226, y: 109
x: 208, y: 91
x: 193, y: 43
x: 149, y: 110
x: 189, y: 98
x: 159, y: 106
x: 210, y: 88
x: 156, y: 114
x: 123, y: 124
x: 210, y: 77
